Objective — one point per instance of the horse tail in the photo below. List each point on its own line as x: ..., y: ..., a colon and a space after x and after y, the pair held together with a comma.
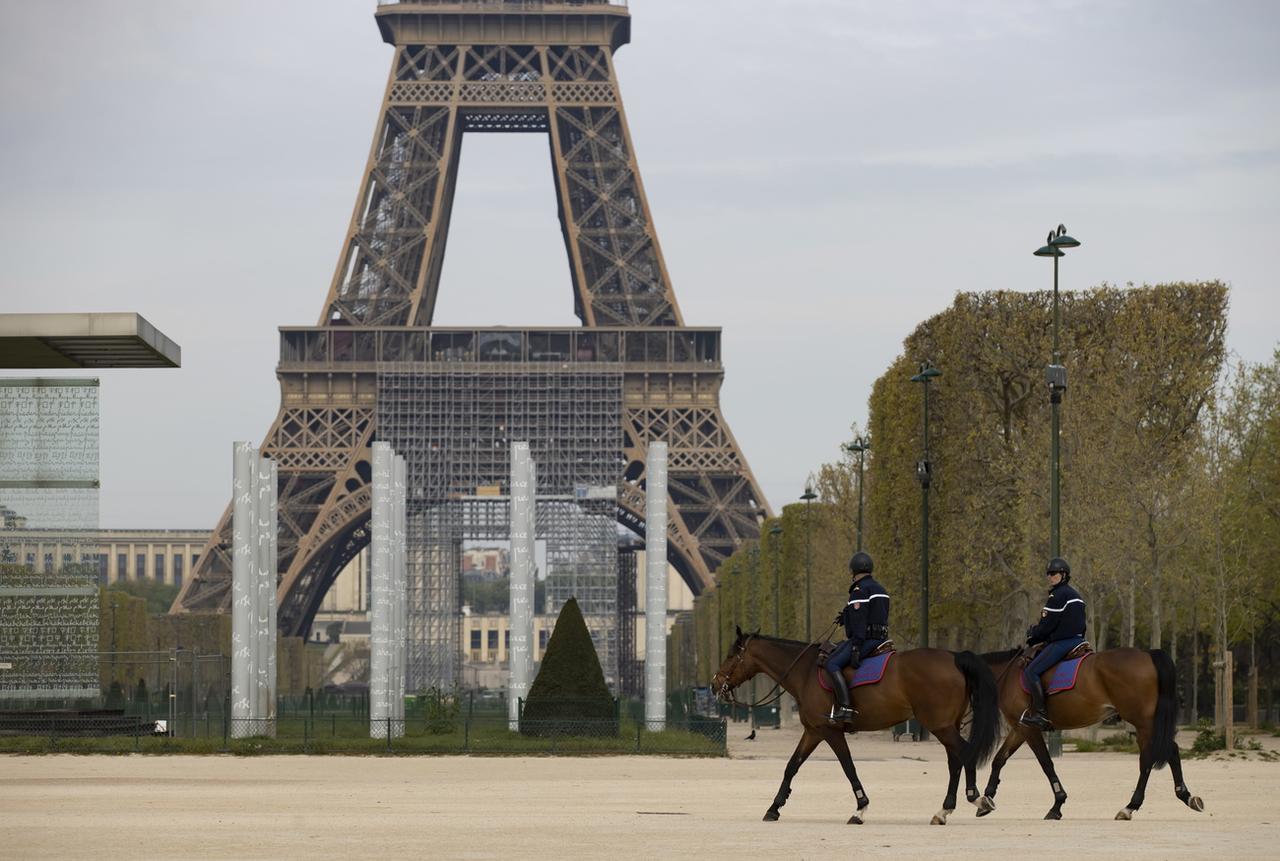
x: 984, y: 700
x: 1165, y: 724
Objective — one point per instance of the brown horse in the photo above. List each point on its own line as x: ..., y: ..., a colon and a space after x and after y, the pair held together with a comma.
x: 1137, y: 685
x: 936, y: 686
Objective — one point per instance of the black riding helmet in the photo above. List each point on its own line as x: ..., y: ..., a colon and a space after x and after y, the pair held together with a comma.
x: 860, y: 563
x: 1058, y: 565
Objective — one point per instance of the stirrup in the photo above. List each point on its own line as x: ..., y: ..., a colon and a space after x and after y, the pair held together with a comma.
x: 1036, y: 719
x: 841, y: 714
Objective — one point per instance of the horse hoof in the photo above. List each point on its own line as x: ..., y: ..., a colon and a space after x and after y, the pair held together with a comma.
x: 985, y: 806
x: 855, y: 819
x: 1196, y: 804
x: 940, y: 818
x: 771, y: 816
x: 1124, y: 815
x: 1053, y: 814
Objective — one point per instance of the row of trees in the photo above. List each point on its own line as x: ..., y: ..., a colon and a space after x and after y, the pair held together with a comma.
x: 1170, y: 486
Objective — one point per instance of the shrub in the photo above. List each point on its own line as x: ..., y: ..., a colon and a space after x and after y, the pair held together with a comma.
x: 569, y: 696
x: 1209, y: 739
x: 1116, y: 742
x: 441, y: 710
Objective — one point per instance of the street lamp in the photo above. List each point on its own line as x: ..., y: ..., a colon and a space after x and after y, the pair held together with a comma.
x: 808, y: 496
x: 1056, y: 377
x: 775, y: 539
x: 924, y: 474
x: 859, y: 446
x: 719, y: 595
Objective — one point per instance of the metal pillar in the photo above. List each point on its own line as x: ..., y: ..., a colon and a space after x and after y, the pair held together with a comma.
x: 254, y: 571
x: 399, y: 593
x: 243, y: 642
x: 264, y: 594
x: 520, y: 649
x: 381, y: 602
x: 655, y: 593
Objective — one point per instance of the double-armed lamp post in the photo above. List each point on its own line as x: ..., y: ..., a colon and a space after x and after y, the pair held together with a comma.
x: 1056, y: 377
x: 924, y: 473
x: 859, y: 446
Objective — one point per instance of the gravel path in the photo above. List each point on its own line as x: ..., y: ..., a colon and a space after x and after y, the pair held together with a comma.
x: 103, y: 807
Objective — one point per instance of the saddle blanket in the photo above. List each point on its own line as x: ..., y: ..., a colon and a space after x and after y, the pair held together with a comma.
x: 869, y: 672
x: 1061, y: 678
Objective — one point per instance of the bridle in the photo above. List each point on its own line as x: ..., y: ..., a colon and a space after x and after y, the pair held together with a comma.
x: 726, y: 691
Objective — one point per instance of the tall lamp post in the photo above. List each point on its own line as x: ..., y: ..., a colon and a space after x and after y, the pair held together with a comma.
x: 924, y: 473
x: 1056, y: 377
x: 719, y: 619
x: 775, y: 539
x: 808, y: 496
x: 859, y: 446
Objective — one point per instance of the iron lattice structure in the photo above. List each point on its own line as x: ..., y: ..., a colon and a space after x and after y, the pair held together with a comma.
x: 454, y: 419
x: 494, y: 66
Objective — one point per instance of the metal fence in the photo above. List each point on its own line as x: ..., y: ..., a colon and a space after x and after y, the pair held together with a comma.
x: 342, y: 734
x: 185, y: 708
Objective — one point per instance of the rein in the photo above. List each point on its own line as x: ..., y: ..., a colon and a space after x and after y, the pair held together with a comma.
x: 770, y: 696
x: 1016, y: 655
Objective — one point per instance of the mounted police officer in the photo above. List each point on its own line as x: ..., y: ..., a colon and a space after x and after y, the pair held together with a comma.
x: 1061, y: 628
x: 866, y: 625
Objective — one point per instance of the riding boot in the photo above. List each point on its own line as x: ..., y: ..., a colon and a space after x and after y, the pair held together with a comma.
x: 1035, y: 714
x: 840, y: 712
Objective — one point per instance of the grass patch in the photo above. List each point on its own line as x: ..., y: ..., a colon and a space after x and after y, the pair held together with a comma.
x: 1209, y: 740
x: 1116, y: 742
x: 351, y: 737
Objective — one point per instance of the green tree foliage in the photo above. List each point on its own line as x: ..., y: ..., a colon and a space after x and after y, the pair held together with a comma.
x: 570, y: 685
x: 1170, y: 486
x: 494, y: 596
x: 1233, y: 524
x: 158, y: 597
x: 1142, y: 366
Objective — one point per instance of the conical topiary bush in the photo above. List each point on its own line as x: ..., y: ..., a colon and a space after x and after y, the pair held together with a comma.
x: 569, y: 696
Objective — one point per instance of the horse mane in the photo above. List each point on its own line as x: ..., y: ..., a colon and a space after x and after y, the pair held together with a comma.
x: 999, y: 657
x: 783, y: 640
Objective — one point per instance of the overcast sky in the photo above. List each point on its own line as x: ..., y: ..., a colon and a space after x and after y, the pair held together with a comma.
x: 823, y: 175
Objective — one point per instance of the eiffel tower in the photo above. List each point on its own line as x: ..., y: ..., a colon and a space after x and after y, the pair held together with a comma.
x: 494, y: 66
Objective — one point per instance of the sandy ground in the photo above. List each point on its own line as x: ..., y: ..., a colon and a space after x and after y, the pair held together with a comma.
x: 102, y: 807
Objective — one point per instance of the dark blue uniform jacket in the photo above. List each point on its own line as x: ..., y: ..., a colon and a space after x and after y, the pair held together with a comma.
x: 867, y: 613
x: 1062, y: 617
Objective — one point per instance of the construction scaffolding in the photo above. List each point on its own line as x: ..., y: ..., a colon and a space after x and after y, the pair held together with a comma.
x: 630, y: 668
x: 454, y: 419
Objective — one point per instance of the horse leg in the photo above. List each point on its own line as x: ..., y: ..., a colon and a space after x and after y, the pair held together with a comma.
x: 1144, y: 771
x: 954, y: 743
x: 841, y: 747
x: 971, y: 779
x: 1035, y: 740
x: 1012, y: 742
x: 807, y: 743
x: 1180, y: 787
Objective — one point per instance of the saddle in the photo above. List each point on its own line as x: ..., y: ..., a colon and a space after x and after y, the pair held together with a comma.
x: 1062, y: 675
x: 869, y: 672
x: 1078, y: 652
x: 825, y: 650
